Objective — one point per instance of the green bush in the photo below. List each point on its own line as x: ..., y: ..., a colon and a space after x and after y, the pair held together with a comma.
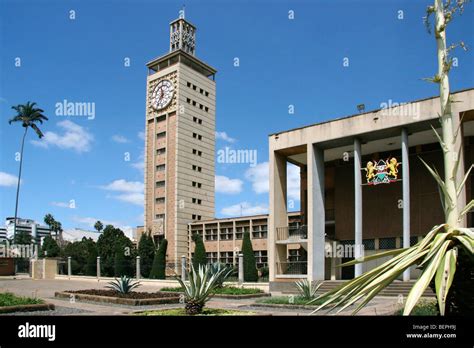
x: 158, y: 270
x: 199, y: 256
x: 50, y: 247
x: 250, y: 264
x: 8, y: 299
x: 146, y: 251
x: 111, y: 240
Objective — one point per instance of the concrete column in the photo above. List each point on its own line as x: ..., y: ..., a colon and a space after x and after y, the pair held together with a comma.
x: 278, y: 216
x: 69, y: 271
x: 98, y: 268
x: 138, y: 276
x: 357, y: 205
x: 241, y: 269
x: 406, y: 196
x: 183, y: 267
x: 316, y: 213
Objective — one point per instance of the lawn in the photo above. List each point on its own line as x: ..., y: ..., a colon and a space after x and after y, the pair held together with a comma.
x: 423, y: 308
x: 8, y: 299
x: 226, y: 290
x: 287, y: 300
x: 205, y: 312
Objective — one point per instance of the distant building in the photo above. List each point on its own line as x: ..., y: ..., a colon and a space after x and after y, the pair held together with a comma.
x: 37, y: 231
x: 76, y: 235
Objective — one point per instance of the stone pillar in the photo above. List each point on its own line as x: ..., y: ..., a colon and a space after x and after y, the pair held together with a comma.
x: 138, y: 268
x: 278, y: 216
x: 241, y: 269
x: 316, y: 213
x: 406, y: 196
x: 69, y: 271
x: 98, y: 268
x: 357, y: 205
x: 183, y: 267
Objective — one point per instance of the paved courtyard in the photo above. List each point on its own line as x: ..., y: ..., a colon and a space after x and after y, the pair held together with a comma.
x: 45, y: 289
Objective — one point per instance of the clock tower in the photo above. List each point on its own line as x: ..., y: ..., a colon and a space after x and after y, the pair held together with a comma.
x: 180, y: 142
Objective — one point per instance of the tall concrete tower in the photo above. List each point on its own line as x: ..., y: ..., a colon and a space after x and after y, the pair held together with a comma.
x: 180, y: 141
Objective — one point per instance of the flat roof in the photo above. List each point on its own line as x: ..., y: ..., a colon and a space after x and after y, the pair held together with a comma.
x: 360, y: 114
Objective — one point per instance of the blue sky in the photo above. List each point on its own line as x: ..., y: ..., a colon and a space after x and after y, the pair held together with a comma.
x: 282, y: 62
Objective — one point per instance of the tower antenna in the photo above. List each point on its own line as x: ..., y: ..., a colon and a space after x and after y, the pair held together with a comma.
x: 182, y: 13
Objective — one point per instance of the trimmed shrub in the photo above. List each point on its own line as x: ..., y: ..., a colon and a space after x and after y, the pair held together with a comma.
x: 250, y: 264
x: 199, y: 256
x: 146, y: 251
x: 158, y: 270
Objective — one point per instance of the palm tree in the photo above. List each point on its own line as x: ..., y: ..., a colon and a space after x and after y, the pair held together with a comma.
x: 28, y: 114
x: 448, y: 245
x: 98, y: 226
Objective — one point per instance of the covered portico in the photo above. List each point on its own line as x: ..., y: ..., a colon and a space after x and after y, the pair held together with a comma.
x: 338, y: 205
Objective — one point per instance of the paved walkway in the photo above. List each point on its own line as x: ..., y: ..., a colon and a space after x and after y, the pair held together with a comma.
x: 45, y: 289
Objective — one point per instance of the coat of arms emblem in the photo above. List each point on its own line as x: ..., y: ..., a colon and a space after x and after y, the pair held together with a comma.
x: 382, y: 172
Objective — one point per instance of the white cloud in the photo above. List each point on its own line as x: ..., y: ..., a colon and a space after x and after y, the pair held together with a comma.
x: 224, y: 184
x: 120, y: 139
x: 225, y: 137
x: 74, y: 137
x: 244, y: 209
x: 8, y: 179
x: 141, y: 135
x: 125, y: 186
x: 130, y: 191
x: 69, y: 205
x: 258, y: 176
x: 134, y: 198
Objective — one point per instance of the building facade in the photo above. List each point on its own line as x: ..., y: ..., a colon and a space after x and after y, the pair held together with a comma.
x: 223, y: 238
x: 34, y: 229
x: 180, y: 141
x: 363, y: 185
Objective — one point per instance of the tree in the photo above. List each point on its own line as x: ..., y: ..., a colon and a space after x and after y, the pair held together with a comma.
x: 250, y: 264
x: 91, y: 260
x: 28, y: 115
x: 111, y: 240
x: 158, y: 271
x: 199, y: 256
x: 54, y: 225
x: 146, y: 251
x: 50, y: 248
x: 122, y: 266
x: 448, y: 246
x: 98, y: 226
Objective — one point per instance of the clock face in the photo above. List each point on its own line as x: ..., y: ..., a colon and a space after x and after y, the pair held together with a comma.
x: 162, y: 94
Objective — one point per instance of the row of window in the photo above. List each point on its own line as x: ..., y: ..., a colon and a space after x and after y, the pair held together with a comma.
x: 197, y: 136
x: 226, y: 233
x: 230, y: 258
x: 197, y: 168
x: 196, y: 104
x: 196, y: 217
x: 195, y: 88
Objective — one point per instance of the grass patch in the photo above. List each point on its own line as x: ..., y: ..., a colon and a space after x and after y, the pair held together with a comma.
x: 423, y: 308
x: 8, y: 299
x: 288, y: 300
x: 226, y: 290
x: 206, y: 312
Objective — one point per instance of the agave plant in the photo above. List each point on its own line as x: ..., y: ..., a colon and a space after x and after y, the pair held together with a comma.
x: 306, y: 289
x: 199, y: 288
x: 216, y: 268
x: 437, y: 253
x: 124, y: 285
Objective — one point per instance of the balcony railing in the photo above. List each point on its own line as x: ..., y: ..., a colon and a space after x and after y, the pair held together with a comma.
x: 292, y: 267
x: 292, y: 233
